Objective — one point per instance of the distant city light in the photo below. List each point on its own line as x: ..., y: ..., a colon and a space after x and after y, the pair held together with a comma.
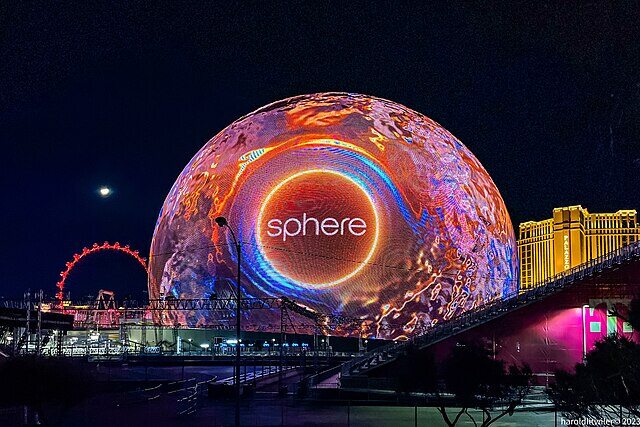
x: 105, y: 191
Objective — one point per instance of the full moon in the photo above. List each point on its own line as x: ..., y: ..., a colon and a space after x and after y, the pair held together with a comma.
x: 105, y: 191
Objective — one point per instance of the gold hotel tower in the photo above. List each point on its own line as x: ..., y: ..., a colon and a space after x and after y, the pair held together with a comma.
x: 573, y: 236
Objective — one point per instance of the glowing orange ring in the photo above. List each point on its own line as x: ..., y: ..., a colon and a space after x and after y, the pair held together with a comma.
x: 106, y: 246
x: 361, y: 264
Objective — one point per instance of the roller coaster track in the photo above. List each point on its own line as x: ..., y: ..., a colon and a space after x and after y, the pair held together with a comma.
x: 491, y: 311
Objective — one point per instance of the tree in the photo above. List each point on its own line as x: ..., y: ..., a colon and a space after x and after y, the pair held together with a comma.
x: 473, y: 379
x: 632, y: 316
x: 604, y: 384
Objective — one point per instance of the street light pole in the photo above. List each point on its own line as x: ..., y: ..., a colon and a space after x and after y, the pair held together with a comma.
x: 238, y: 313
x: 222, y: 222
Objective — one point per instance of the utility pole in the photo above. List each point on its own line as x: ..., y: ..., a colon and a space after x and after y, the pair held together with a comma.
x: 27, y: 303
x: 39, y: 334
x: 315, y: 351
x: 282, y: 338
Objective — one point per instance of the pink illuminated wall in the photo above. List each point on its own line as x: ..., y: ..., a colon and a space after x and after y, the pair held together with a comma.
x: 598, y: 323
x: 552, y: 334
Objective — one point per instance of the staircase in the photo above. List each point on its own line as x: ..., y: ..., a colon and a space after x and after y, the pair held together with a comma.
x: 488, y: 312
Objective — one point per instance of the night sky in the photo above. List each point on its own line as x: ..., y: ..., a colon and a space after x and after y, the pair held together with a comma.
x: 547, y: 96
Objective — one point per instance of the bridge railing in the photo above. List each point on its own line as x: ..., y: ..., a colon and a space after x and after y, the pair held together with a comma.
x: 497, y: 307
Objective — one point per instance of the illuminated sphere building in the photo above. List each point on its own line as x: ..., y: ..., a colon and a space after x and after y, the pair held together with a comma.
x: 344, y: 203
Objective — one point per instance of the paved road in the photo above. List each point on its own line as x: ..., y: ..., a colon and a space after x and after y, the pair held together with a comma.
x: 160, y: 405
x: 271, y: 412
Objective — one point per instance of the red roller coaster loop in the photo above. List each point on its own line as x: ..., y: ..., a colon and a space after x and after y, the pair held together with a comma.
x: 106, y: 246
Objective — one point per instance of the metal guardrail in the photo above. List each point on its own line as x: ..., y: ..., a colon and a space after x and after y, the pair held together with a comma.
x: 491, y: 310
x: 182, y: 396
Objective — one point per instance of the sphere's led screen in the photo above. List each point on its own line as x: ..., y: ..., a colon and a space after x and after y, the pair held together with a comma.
x: 347, y: 204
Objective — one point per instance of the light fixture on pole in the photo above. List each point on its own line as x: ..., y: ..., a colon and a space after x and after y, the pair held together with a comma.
x: 222, y: 222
